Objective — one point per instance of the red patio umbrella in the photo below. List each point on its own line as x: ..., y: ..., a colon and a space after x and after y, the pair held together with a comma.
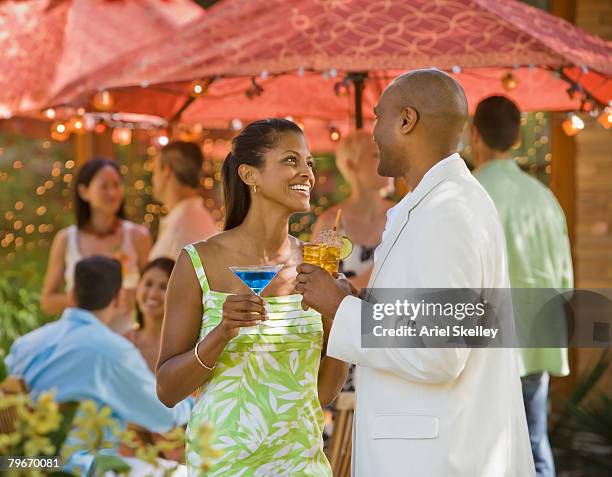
x: 293, y: 56
x: 47, y: 44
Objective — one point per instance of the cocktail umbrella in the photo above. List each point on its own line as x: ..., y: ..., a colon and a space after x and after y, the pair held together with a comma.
x: 47, y: 44
x: 302, y: 57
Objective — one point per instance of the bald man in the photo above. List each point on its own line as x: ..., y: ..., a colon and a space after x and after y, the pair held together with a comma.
x: 428, y: 411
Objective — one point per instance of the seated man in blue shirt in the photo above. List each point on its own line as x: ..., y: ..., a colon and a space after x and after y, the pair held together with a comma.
x: 82, y: 358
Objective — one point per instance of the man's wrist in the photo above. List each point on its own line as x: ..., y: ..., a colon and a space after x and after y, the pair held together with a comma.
x: 341, y: 296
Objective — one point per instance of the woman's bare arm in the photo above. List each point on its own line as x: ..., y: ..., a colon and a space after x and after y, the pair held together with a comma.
x: 142, y: 244
x: 53, y: 300
x: 179, y: 373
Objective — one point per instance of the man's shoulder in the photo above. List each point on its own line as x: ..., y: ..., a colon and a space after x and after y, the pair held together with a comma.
x: 34, y: 338
x: 461, y: 194
x: 196, y: 217
x: 104, y: 343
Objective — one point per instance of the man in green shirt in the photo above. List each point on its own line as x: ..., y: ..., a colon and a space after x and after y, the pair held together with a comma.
x: 538, y: 250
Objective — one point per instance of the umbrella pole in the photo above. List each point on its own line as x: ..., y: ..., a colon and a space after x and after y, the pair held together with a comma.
x: 358, y: 82
x: 176, y: 116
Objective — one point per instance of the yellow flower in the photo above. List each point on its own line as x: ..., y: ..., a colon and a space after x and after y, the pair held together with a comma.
x: 204, y: 447
x: 37, y: 445
x: 8, y: 441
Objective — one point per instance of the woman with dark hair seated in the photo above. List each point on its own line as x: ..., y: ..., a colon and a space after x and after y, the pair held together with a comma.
x: 256, y: 360
x: 150, y: 300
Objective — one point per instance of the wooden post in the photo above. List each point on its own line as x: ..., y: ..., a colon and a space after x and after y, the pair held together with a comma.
x: 82, y: 148
x: 103, y: 144
x: 563, y: 185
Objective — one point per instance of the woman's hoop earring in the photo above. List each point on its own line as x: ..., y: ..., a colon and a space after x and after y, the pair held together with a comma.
x: 255, y: 189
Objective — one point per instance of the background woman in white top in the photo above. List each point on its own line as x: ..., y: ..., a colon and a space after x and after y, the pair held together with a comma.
x: 101, y: 229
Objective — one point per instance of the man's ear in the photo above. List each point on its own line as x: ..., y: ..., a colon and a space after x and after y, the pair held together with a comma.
x: 351, y: 164
x: 165, y: 169
x: 409, y: 119
x: 247, y: 174
x: 474, y: 136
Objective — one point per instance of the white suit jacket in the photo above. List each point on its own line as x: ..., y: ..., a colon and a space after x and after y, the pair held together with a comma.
x: 436, y: 412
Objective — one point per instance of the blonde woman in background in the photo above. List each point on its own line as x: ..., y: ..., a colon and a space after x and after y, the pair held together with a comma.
x: 364, y: 211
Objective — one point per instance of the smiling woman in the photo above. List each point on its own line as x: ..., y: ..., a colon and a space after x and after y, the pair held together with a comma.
x: 257, y: 361
x: 245, y: 165
x: 150, y: 300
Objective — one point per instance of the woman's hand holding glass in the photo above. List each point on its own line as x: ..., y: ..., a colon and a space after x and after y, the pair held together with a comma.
x: 241, y: 311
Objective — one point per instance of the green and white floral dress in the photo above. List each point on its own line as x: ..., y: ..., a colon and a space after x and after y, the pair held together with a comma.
x: 262, y: 397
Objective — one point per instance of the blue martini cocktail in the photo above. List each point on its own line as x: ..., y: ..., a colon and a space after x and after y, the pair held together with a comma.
x: 256, y: 278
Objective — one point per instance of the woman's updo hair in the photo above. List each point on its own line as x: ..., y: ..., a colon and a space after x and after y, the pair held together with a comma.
x: 249, y: 148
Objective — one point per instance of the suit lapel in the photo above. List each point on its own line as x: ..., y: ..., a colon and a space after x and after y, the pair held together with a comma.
x: 427, y: 185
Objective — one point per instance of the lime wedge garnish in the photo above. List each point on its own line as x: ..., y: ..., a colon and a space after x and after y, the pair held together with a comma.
x: 347, y: 247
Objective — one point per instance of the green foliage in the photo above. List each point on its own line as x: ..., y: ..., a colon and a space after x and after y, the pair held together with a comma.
x: 3, y: 370
x: 68, y: 411
x: 104, y: 463
x: 19, y: 308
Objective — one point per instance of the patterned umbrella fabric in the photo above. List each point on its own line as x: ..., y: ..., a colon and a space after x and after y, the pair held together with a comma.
x: 290, y: 55
x: 48, y: 44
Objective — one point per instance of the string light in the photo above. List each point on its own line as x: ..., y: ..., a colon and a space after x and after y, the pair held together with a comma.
x: 572, y: 124
x: 59, y: 131
x: 341, y: 88
x: 103, y: 101
x: 100, y: 128
x: 50, y: 113
x: 77, y: 125
x: 122, y: 136
x: 334, y: 134
x: 588, y: 105
x: 162, y: 140
x: 605, y: 118
x: 197, y: 88
x: 509, y: 81
x: 236, y: 124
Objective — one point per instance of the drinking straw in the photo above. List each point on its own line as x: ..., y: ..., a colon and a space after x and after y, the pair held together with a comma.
x: 337, y: 219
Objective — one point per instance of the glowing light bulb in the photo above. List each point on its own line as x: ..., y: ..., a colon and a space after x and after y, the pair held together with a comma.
x: 572, y: 124
x: 605, y: 118
x: 509, y: 81
x: 122, y: 136
x: 334, y: 134
x: 103, y: 101
x: 236, y: 124
x: 197, y: 88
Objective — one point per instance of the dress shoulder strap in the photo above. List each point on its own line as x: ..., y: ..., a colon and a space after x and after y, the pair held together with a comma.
x: 126, y: 227
x: 198, y: 267
x: 72, y: 242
